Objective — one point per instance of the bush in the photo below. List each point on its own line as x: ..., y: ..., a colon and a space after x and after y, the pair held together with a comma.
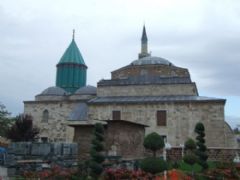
x: 153, y: 165
x: 190, y: 159
x: 190, y: 144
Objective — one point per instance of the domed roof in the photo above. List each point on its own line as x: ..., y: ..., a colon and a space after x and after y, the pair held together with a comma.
x: 151, y: 60
x: 54, y: 91
x: 87, y: 90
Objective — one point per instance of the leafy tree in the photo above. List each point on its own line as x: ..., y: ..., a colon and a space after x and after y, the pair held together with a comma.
x: 97, y: 148
x: 201, y: 151
x: 23, y: 129
x: 5, y: 120
x: 153, y: 142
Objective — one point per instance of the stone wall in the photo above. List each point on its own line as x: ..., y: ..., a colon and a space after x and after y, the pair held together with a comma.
x: 121, y: 139
x: 83, y: 136
x: 148, y: 90
x: 152, y: 70
x: 181, y: 120
x: 214, y: 154
x: 127, y: 139
x: 56, y: 128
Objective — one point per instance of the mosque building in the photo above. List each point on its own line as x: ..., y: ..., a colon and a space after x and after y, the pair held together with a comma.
x: 150, y: 92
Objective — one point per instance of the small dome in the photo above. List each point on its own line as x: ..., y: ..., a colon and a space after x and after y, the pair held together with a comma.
x: 151, y: 60
x: 54, y: 91
x: 87, y: 90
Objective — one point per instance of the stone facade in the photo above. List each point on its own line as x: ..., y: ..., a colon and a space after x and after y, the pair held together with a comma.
x: 60, y: 109
x: 181, y: 119
x: 83, y: 136
x: 150, y: 70
x: 126, y: 138
x: 214, y: 154
x: 148, y: 90
x: 55, y: 129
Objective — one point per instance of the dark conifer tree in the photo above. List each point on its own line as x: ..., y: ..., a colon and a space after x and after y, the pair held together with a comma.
x: 97, y: 156
x: 201, y: 151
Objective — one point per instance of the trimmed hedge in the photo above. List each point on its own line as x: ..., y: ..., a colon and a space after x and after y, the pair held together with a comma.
x: 153, y: 165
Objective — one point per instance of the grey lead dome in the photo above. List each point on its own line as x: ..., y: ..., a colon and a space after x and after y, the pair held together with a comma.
x: 87, y: 90
x: 54, y: 91
x: 151, y: 60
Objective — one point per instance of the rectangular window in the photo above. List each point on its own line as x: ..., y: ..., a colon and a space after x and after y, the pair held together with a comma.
x: 116, y: 115
x: 161, y: 118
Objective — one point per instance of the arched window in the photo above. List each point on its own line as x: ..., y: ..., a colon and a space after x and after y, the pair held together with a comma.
x: 45, y: 116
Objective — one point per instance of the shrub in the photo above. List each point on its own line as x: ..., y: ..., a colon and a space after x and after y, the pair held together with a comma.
x: 153, y: 165
x: 190, y: 144
x: 190, y: 159
x: 153, y: 142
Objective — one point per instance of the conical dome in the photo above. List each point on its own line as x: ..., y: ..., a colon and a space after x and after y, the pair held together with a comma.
x: 72, y: 55
x: 71, y: 69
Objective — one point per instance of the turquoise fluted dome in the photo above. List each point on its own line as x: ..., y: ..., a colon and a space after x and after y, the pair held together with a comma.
x: 71, y: 69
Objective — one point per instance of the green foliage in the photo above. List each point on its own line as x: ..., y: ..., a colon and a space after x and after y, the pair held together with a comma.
x: 96, y: 156
x: 96, y: 168
x: 96, y: 152
x: 5, y: 120
x: 199, y: 128
x: 201, y: 151
x: 190, y: 144
x: 196, y: 168
x: 23, y: 129
x: 153, y: 142
x: 190, y: 159
x: 153, y: 165
x: 97, y: 145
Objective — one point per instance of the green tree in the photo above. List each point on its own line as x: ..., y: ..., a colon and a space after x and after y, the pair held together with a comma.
x: 201, y: 151
x: 153, y: 142
x: 23, y: 129
x: 5, y: 120
x: 97, y: 156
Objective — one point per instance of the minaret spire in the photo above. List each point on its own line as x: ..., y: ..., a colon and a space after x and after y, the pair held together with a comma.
x: 144, y: 44
x: 73, y: 36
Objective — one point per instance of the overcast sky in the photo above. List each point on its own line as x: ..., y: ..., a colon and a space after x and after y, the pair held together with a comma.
x: 201, y: 35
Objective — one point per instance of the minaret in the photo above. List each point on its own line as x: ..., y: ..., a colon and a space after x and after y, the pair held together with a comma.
x: 71, y: 69
x: 144, y: 45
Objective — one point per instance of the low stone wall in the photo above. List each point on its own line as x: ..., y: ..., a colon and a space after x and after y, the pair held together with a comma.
x: 214, y: 154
